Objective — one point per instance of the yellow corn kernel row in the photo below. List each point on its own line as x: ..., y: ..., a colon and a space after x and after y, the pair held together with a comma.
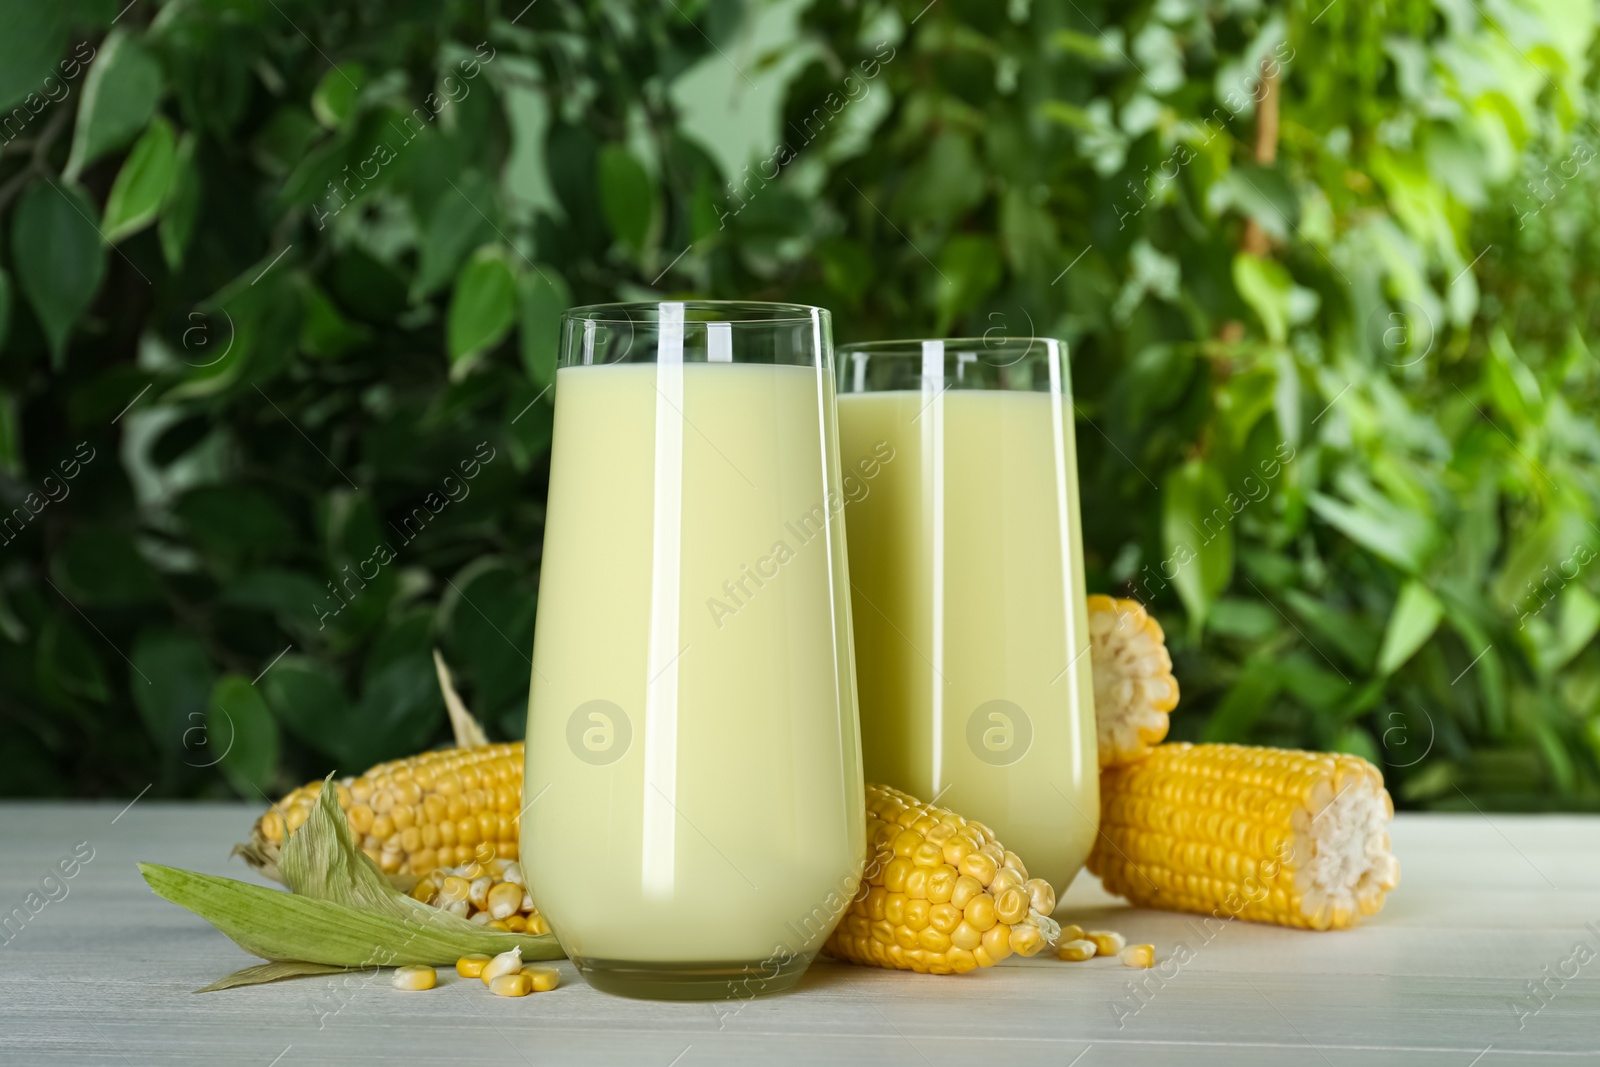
x: 492, y: 893
x: 939, y: 895
x: 1273, y: 835
x: 437, y: 809
x: 1134, y: 689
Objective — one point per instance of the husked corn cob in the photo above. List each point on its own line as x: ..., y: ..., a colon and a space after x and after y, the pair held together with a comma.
x: 1273, y: 835
x: 1133, y: 684
x: 940, y: 895
x: 438, y: 809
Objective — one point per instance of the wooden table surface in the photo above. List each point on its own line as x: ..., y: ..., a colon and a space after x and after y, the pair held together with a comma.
x: 1486, y: 905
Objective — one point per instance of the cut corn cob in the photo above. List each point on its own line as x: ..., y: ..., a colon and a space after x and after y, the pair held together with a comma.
x: 1273, y: 835
x: 434, y: 810
x: 939, y: 895
x: 1133, y: 684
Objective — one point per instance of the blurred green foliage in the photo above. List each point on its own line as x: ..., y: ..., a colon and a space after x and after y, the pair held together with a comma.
x: 279, y: 284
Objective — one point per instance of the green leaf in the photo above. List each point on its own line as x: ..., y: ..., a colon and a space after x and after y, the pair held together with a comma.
x: 183, y: 205
x: 1401, y: 537
x: 482, y: 309
x: 333, y: 101
x: 58, y: 256
x: 1265, y: 286
x: 119, y: 96
x: 1245, y: 702
x: 1197, y: 532
x: 5, y: 307
x: 66, y: 660
x: 400, y: 712
x: 171, y: 683
x: 100, y: 566
x: 275, y: 971
x: 1414, y: 618
x: 970, y: 269
x: 455, y: 225
x: 32, y: 38
x: 306, y: 698
x: 544, y: 296
x: 241, y: 735
x: 144, y: 182
x: 627, y: 196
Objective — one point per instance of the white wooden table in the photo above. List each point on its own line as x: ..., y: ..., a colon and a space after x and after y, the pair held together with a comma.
x: 104, y: 974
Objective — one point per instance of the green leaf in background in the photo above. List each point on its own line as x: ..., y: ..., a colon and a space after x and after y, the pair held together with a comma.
x: 100, y: 566
x: 334, y: 101
x: 1265, y: 286
x: 171, y: 680
x: 1197, y: 533
x: 543, y: 297
x: 400, y: 711
x: 67, y: 661
x: 144, y: 182
x: 482, y: 308
x: 306, y: 698
x: 183, y: 205
x: 1414, y: 618
x: 1244, y: 703
x: 32, y: 38
x: 627, y: 195
x: 970, y: 269
x: 455, y: 225
x: 119, y: 96
x: 58, y: 257
x: 5, y: 307
x: 1395, y: 533
x: 241, y: 735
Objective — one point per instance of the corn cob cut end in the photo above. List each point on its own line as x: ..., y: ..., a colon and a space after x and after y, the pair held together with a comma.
x: 1272, y: 835
x: 1134, y: 689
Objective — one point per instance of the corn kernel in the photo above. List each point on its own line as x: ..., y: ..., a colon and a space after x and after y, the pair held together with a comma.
x: 515, y: 984
x: 1041, y: 895
x: 1140, y: 956
x: 414, y: 976
x: 1106, y: 942
x: 1071, y: 932
x: 1077, y: 950
x: 544, y: 979
x: 509, y: 962
x: 472, y: 966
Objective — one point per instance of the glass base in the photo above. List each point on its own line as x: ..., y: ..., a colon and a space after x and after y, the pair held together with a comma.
x: 692, y: 981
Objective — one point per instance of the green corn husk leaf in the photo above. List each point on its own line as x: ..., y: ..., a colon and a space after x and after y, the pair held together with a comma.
x: 276, y: 971
x: 341, y: 913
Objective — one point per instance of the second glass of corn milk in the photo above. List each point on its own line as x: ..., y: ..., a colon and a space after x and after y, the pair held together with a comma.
x: 693, y: 820
x: 966, y: 562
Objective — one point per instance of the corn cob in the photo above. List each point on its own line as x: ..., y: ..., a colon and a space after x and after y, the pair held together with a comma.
x: 940, y: 895
x: 1133, y: 684
x: 439, y: 809
x: 1273, y: 835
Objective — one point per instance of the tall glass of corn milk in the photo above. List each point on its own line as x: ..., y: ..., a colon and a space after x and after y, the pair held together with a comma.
x: 693, y: 817
x: 966, y: 561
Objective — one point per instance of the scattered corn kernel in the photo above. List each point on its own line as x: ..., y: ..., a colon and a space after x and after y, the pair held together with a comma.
x: 509, y: 962
x: 1140, y: 956
x: 515, y: 984
x: 472, y: 966
x: 544, y: 979
x: 1076, y: 951
x: 414, y: 976
x: 1071, y: 932
x: 1106, y: 942
x: 503, y: 900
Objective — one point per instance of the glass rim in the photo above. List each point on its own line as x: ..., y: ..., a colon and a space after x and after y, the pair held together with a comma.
x: 912, y: 346
x: 736, y: 313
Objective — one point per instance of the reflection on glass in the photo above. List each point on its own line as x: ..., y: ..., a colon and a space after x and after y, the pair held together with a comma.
x: 694, y: 818
x: 966, y: 562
